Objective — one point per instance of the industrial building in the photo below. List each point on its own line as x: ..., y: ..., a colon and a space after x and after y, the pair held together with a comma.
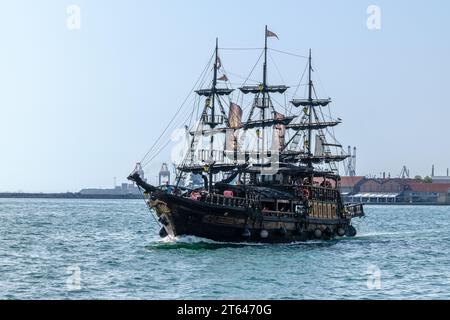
x: 395, y: 190
x: 123, y: 189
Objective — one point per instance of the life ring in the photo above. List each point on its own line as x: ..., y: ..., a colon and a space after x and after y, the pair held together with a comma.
x: 264, y: 233
x: 305, y: 193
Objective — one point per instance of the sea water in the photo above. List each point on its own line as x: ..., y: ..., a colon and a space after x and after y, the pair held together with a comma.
x: 110, y: 249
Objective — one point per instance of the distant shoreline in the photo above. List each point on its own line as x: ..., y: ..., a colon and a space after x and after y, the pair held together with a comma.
x: 77, y: 195
x: 66, y: 195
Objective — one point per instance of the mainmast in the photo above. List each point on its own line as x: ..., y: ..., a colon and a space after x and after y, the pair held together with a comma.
x: 310, y: 86
x: 262, y: 102
x: 265, y: 62
x: 213, y: 97
x: 264, y: 87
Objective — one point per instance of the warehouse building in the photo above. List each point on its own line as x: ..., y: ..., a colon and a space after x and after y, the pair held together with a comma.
x: 396, y: 190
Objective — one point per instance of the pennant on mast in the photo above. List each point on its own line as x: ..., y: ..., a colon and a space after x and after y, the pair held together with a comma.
x: 271, y: 34
x: 223, y: 78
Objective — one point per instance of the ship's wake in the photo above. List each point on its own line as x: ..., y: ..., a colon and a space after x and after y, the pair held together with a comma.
x: 194, y: 243
x: 198, y: 243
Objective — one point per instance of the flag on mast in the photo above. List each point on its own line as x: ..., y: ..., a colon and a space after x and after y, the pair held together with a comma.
x: 271, y: 34
x: 223, y: 78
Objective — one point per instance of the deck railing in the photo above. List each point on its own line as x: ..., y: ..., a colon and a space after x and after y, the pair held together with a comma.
x: 221, y: 200
x: 273, y: 213
x: 322, y: 193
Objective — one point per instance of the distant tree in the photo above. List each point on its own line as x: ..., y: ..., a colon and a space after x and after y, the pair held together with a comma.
x: 427, y: 179
x: 418, y: 178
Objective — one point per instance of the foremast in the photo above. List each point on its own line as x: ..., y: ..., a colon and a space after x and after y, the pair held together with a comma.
x: 213, y: 115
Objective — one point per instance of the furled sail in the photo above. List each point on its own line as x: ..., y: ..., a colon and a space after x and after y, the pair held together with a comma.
x: 268, y: 122
x: 313, y: 126
x: 312, y: 102
x: 218, y: 91
x: 261, y: 88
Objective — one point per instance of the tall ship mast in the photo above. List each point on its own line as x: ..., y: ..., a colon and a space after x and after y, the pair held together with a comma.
x: 263, y: 178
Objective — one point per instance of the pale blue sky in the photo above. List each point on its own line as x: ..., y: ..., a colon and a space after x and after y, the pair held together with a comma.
x: 81, y: 107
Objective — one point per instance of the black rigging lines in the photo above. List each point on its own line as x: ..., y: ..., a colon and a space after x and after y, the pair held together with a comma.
x: 189, y: 117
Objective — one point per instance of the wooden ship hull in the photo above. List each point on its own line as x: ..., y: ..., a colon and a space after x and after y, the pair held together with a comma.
x: 235, y: 220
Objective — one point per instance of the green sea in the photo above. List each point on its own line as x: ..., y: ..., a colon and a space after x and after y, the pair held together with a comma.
x: 110, y: 249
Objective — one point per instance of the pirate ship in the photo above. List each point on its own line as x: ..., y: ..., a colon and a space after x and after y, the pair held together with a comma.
x: 264, y: 178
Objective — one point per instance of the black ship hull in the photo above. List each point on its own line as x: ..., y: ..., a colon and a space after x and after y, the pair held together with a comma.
x: 229, y: 223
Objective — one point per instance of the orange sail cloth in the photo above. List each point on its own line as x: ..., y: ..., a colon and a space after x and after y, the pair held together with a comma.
x: 235, y: 120
x: 279, y: 132
x: 235, y: 116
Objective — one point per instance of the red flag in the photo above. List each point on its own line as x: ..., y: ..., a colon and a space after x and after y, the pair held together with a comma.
x: 223, y: 78
x: 271, y: 34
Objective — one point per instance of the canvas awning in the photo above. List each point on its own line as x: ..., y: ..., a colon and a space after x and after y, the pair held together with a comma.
x: 376, y: 195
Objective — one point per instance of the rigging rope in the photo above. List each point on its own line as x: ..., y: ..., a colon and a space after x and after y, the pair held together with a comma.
x: 159, y: 143
x: 179, y: 109
x: 297, y: 87
x: 240, y: 94
x: 289, y: 53
x: 276, y: 68
x: 151, y: 212
x: 240, y: 49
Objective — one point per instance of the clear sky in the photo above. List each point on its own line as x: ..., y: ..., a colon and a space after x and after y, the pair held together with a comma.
x: 80, y: 107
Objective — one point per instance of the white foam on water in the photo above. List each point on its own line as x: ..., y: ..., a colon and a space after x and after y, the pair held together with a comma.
x: 376, y: 234
x: 185, y: 239
x: 195, y: 239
